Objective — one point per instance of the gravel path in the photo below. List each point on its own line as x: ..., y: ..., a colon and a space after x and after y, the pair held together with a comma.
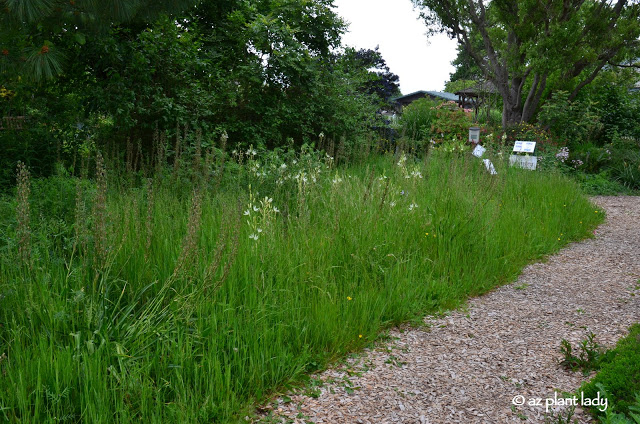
x: 468, y: 366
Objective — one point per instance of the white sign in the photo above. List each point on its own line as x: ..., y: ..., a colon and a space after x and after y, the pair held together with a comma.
x: 524, y: 162
x: 479, y: 151
x: 489, y: 166
x: 524, y: 146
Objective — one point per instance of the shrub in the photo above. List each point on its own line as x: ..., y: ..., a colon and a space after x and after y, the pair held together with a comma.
x: 601, y: 184
x: 451, y: 122
x: 573, y: 122
x: 417, y: 118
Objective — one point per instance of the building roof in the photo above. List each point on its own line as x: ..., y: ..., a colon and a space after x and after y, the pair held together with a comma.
x: 481, y: 87
x: 419, y: 94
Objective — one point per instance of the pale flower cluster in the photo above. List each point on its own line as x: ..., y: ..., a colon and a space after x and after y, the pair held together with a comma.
x: 402, y: 164
x: 259, y: 215
x: 563, y: 154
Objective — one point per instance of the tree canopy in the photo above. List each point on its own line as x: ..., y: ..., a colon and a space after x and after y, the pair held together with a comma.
x: 33, y: 32
x: 268, y: 72
x: 531, y: 48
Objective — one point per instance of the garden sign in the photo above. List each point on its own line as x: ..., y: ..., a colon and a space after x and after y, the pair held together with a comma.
x: 524, y: 162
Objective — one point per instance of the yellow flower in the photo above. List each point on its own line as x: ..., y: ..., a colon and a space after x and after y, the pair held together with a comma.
x: 427, y: 233
x: 359, y: 336
x: 596, y: 211
x: 349, y: 298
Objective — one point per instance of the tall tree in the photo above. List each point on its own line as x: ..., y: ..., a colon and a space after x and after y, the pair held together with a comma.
x: 532, y: 47
x: 465, y: 66
x: 381, y: 81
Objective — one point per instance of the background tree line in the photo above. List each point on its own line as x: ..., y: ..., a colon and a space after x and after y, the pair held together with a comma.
x: 268, y: 72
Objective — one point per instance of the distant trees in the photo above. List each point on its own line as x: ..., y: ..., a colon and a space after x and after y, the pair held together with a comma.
x: 381, y: 81
x: 529, y: 48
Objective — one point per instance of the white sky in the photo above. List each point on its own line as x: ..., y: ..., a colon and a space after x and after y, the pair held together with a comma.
x: 421, y: 63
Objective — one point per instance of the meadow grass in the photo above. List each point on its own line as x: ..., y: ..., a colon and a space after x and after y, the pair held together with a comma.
x: 189, y: 300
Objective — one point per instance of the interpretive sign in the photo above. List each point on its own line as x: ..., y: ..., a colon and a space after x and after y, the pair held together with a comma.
x: 524, y: 146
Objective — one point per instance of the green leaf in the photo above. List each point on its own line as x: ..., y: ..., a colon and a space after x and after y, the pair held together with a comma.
x: 80, y: 38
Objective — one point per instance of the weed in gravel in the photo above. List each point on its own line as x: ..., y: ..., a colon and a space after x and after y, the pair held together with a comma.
x: 588, y: 358
x: 561, y: 417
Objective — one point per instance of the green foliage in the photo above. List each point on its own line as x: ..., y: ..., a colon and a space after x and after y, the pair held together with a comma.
x: 265, y: 72
x: 589, y: 357
x: 573, y: 123
x: 611, y: 417
x: 617, y: 106
x: 492, y: 119
x: 431, y: 122
x: 526, y: 131
x: 619, y: 376
x: 417, y: 118
x: 529, y: 51
x: 465, y: 65
x: 451, y: 122
x: 196, y: 299
x: 34, y: 145
x: 36, y: 34
x: 459, y: 84
x: 591, y: 159
x: 601, y: 184
x: 600, y: 129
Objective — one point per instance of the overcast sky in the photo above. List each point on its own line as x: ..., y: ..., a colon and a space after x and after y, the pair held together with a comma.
x: 421, y: 63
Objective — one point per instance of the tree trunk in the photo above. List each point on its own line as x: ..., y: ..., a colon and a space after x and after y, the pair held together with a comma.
x: 510, y: 114
x: 511, y: 102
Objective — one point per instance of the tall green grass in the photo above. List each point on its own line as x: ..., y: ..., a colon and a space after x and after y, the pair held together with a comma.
x: 178, y: 301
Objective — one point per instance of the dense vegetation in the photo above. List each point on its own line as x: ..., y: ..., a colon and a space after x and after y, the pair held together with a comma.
x: 594, y: 138
x: 529, y: 51
x: 189, y: 295
x: 268, y: 73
